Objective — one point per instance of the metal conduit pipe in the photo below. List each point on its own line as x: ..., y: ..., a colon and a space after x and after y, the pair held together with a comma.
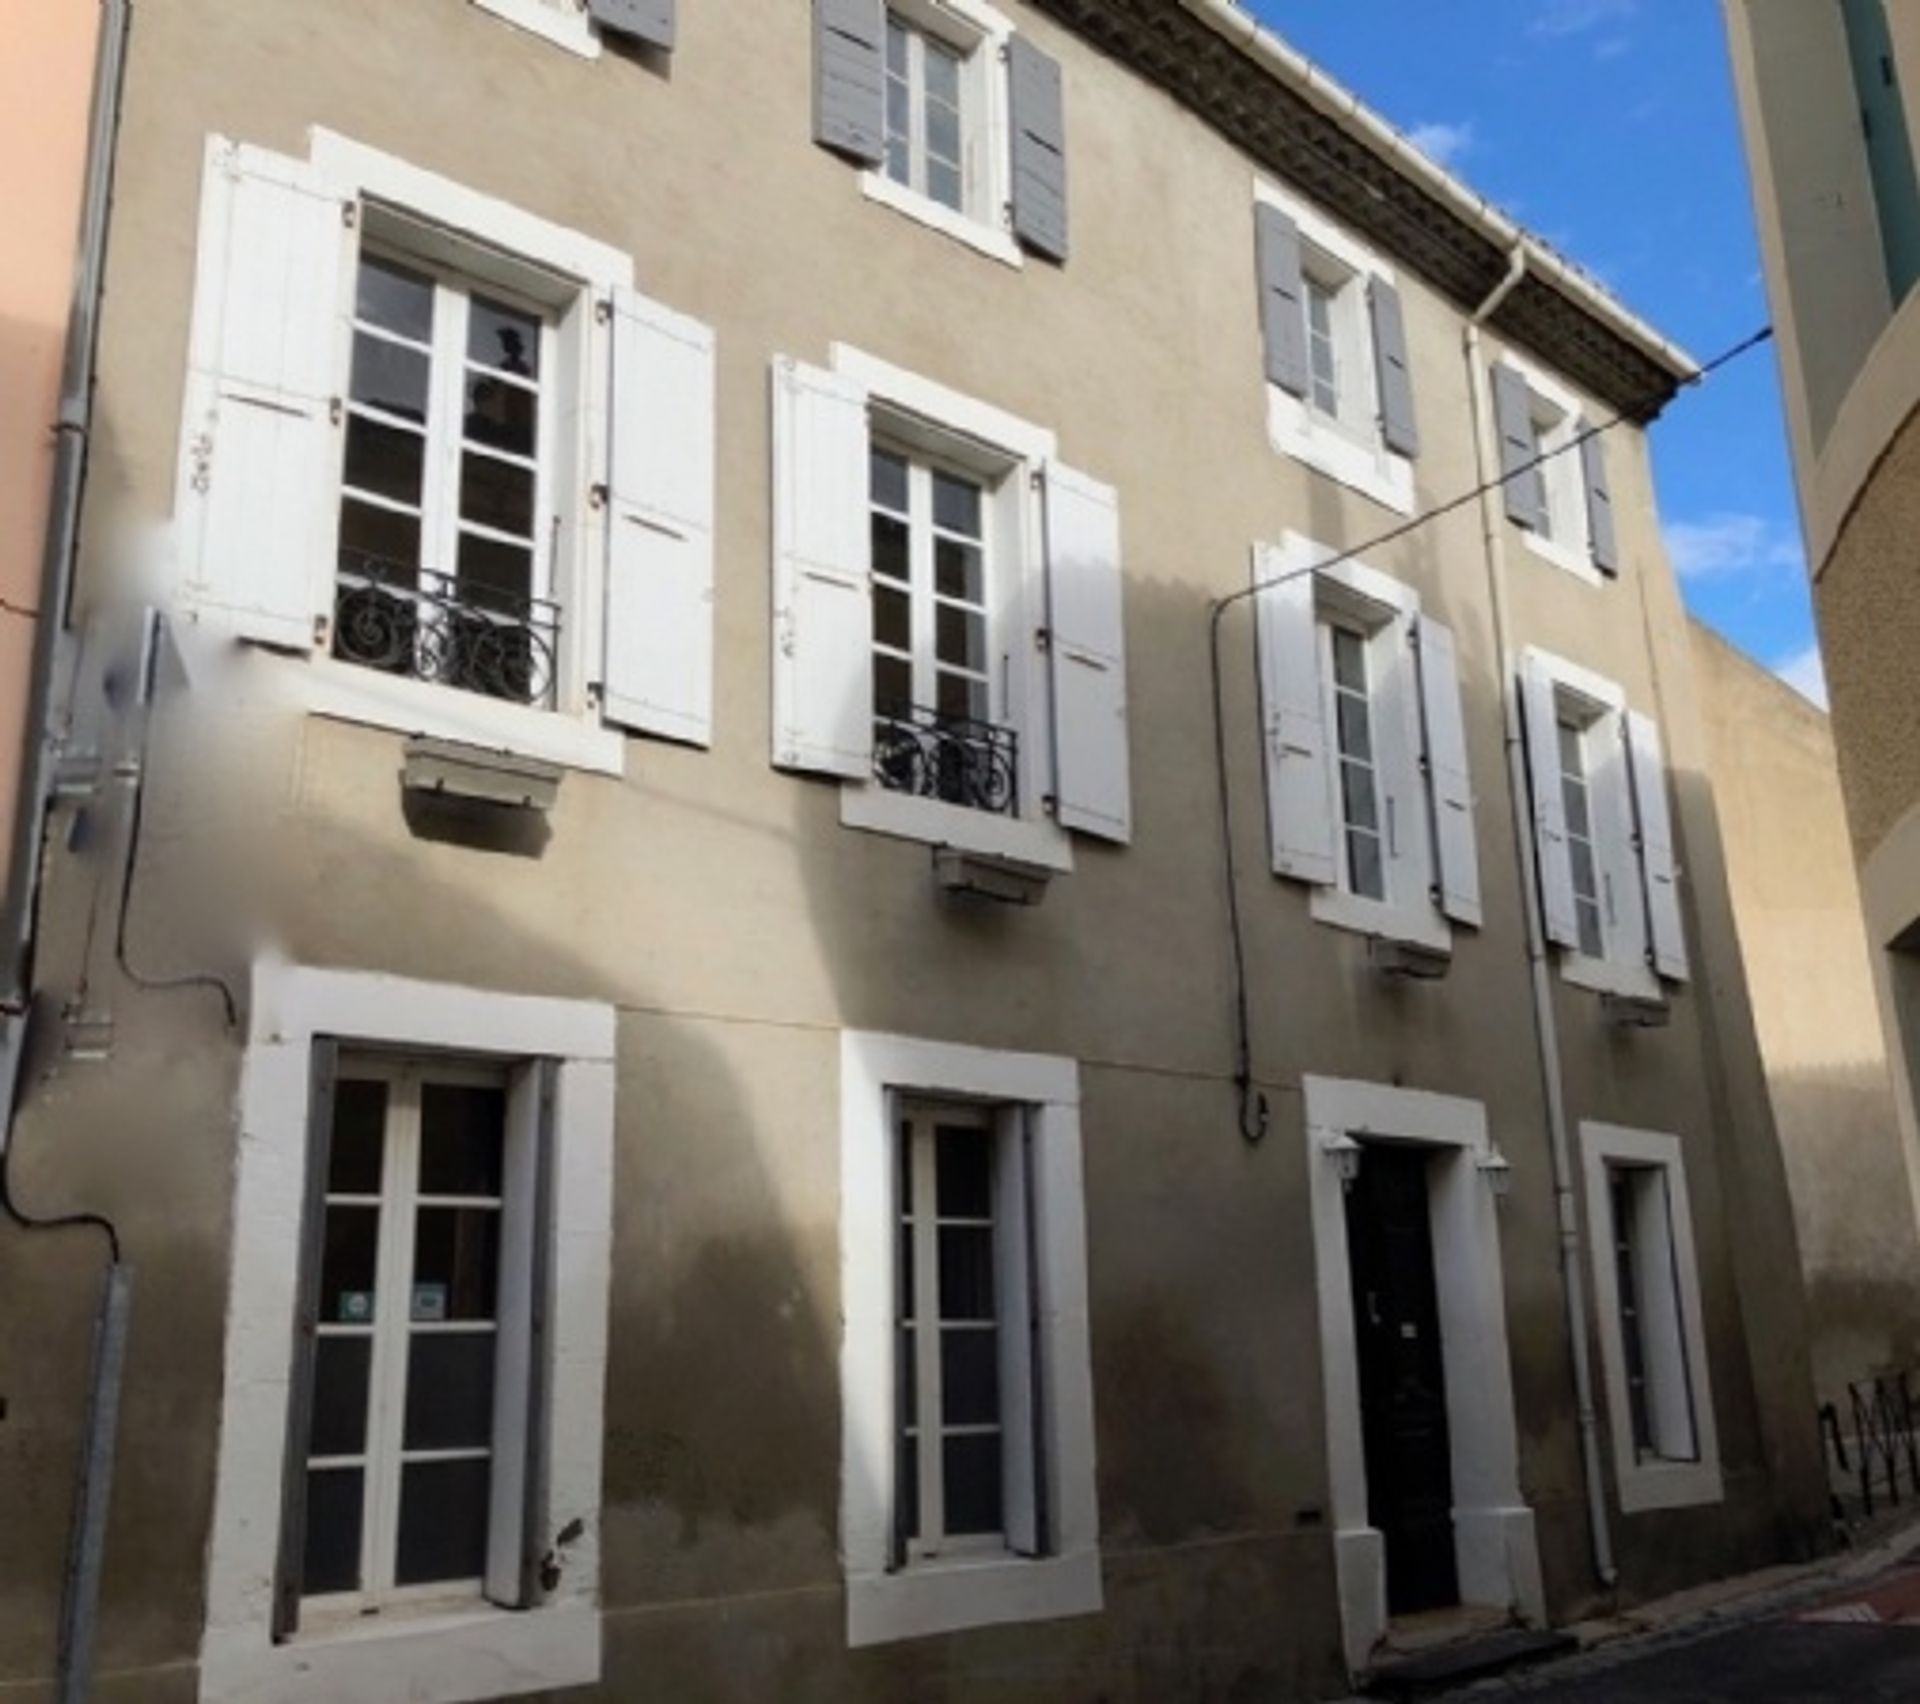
x: 1546, y: 1026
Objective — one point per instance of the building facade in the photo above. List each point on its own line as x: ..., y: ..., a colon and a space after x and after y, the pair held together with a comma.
x: 1826, y: 96
x: 659, y: 1018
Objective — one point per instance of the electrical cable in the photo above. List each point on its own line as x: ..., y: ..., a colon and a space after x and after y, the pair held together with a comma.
x: 1255, y: 1115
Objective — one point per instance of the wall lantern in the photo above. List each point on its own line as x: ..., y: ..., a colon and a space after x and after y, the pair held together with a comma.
x: 1497, y: 1169
x: 1345, y: 1153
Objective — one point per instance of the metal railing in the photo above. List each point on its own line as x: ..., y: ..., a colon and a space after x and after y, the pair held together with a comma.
x: 955, y: 759
x: 420, y: 622
x: 1882, y: 1420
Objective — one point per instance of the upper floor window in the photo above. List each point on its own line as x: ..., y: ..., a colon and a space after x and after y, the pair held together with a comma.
x: 1369, y: 797
x: 575, y: 24
x: 1603, y: 831
x: 1888, y: 138
x: 1340, y: 385
x: 927, y: 129
x: 1557, y: 486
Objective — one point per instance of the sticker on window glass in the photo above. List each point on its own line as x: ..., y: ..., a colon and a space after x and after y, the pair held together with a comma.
x: 429, y: 1302
x: 356, y: 1306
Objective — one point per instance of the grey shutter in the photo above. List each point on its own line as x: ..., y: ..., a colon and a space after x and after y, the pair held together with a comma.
x: 1659, y: 866
x: 1456, y: 852
x: 1398, y: 427
x: 849, y: 78
x: 1559, y: 915
x: 650, y: 22
x: 1513, y: 416
x: 1600, y: 528
x: 323, y: 1074
x: 1039, y: 149
x: 1283, y: 306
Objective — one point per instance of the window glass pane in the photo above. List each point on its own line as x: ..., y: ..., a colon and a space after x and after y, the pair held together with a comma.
x: 463, y: 1134
x: 956, y: 504
x: 906, y: 1385
x: 943, y: 132
x: 907, y: 1486
x: 443, y: 1521
x: 943, y: 183
x: 960, y: 636
x: 456, y: 1260
x: 385, y: 534
x: 896, y: 46
x: 496, y: 576
x: 1579, y: 814
x: 335, y: 1499
x: 958, y: 696
x: 1570, y: 763
x: 905, y: 1160
x: 970, y: 1473
x: 892, y: 618
x: 970, y: 1376
x: 899, y: 161
x: 504, y: 339
x: 943, y: 72
x: 341, y: 1366
x: 1585, y: 882
x: 390, y: 377
x: 892, y: 685
x: 957, y: 570
x: 1592, y: 939
x: 1355, y: 725
x: 391, y: 296
x: 1360, y: 799
x: 888, y: 480
x: 496, y: 494
x: 1365, y: 865
x: 500, y: 414
x: 347, y: 1264
x: 388, y: 461
x: 890, y: 548
x: 449, y: 1390
x: 1349, y: 660
x: 359, y: 1137
x: 963, y: 1165
x: 966, y: 1272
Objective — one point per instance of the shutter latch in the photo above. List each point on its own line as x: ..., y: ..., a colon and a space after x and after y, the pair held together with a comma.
x: 1043, y: 638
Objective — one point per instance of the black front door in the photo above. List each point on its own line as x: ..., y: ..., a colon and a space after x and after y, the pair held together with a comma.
x: 1403, y: 1388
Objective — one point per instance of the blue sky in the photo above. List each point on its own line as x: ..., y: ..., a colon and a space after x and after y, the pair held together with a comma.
x: 1608, y: 126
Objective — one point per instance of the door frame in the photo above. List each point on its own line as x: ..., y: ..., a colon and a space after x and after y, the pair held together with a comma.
x: 1494, y: 1541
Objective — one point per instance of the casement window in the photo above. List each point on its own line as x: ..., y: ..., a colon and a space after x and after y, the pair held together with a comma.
x: 435, y: 441
x: 948, y: 612
x: 1370, y: 803
x: 965, y: 1368
x: 1603, y: 831
x: 1653, y: 1345
x: 1887, y: 137
x: 411, y: 1424
x: 959, y: 121
x: 1557, y: 489
x: 577, y: 25
x: 1340, y: 387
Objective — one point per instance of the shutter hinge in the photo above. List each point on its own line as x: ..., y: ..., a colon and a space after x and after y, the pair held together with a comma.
x: 1043, y: 638
x: 336, y: 410
x: 322, y: 634
x: 597, y: 495
x: 350, y: 214
x: 603, y: 310
x: 1050, y: 803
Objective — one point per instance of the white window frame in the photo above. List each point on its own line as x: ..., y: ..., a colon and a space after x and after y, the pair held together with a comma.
x: 1651, y: 1482
x: 1556, y: 413
x: 441, y: 1654
x: 1350, y: 449
x: 565, y: 23
x: 991, y: 1586
x: 1600, y: 706
x: 570, y: 273
x: 980, y: 34
x: 1007, y: 454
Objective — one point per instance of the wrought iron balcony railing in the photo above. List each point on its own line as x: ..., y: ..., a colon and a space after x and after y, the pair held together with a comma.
x: 951, y: 758
x: 420, y: 622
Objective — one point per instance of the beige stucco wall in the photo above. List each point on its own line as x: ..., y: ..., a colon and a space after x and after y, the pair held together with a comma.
x: 1797, y: 903
x: 739, y: 927
x: 46, y: 78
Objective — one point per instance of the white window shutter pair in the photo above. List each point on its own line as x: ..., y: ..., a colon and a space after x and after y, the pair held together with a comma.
x: 657, y: 676
x: 823, y: 612
x: 260, y: 440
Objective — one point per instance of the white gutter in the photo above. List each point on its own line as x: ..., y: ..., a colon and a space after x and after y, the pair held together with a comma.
x: 1307, y: 80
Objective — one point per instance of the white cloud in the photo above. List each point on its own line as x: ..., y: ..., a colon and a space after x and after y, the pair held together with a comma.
x: 1731, y: 546
x: 1806, y: 674
x: 1444, y: 144
x: 1576, y: 17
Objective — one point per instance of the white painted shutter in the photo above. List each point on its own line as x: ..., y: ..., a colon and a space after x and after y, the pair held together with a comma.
x: 1658, y: 869
x: 1024, y: 1499
x: 657, y: 673
x: 1662, y: 1321
x: 1561, y: 918
x: 1456, y: 853
x: 1087, y: 649
x: 256, y: 505
x: 822, y: 596
x: 1300, y: 812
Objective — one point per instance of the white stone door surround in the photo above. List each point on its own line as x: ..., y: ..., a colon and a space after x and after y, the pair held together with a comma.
x: 1493, y: 1527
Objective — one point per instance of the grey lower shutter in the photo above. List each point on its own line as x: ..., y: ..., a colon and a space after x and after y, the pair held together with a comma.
x: 1043, y: 1543
x: 1513, y: 417
x: 1398, y: 427
x: 849, y: 78
x: 1600, y: 528
x: 1039, y: 149
x: 323, y: 1074
x: 650, y: 22
x: 1283, y: 305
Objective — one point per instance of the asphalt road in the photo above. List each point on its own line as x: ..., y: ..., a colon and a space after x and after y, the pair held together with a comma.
x: 1777, y: 1662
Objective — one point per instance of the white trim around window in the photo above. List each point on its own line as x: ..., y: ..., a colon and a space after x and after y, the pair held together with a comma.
x: 1666, y: 1443
x: 892, y: 1592
x: 563, y: 22
x: 1346, y: 446
x: 1557, y: 415
x: 437, y: 1654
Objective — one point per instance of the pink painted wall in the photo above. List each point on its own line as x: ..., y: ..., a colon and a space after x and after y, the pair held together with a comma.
x: 46, y: 83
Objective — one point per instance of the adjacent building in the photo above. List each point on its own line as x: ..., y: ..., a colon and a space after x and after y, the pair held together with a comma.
x: 1827, y: 99
x: 656, y: 992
